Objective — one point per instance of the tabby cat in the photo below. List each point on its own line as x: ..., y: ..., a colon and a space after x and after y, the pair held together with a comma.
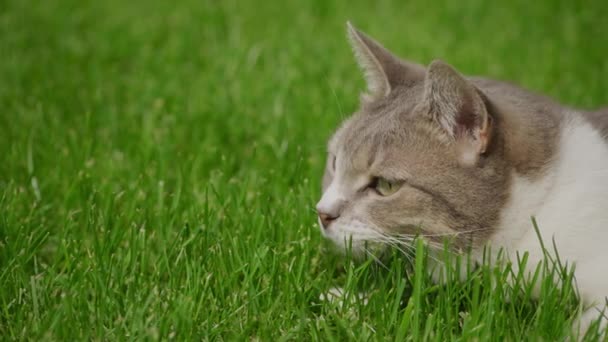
x: 436, y: 154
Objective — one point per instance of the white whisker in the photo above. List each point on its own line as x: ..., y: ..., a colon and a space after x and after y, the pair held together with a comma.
x: 376, y: 259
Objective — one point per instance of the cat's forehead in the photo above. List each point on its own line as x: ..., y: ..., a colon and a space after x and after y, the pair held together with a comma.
x: 376, y: 128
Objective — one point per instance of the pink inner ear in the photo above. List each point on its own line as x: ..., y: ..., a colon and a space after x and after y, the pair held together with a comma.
x: 485, y: 134
x: 466, y: 118
x: 471, y: 143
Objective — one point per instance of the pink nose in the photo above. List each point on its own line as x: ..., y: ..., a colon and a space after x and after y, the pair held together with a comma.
x: 326, y: 219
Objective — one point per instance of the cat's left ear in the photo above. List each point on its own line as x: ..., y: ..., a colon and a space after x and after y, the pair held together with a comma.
x: 457, y: 106
x: 383, y: 70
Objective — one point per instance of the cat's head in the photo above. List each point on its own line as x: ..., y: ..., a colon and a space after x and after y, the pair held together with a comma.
x: 423, y: 156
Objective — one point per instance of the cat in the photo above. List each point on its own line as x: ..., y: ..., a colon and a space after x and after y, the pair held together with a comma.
x: 433, y: 153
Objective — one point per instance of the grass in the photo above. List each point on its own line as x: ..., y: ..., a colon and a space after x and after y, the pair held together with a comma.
x: 160, y: 163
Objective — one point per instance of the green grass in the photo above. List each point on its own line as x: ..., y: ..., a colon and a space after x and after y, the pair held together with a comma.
x: 160, y: 163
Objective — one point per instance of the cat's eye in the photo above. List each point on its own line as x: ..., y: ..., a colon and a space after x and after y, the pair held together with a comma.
x: 385, y: 187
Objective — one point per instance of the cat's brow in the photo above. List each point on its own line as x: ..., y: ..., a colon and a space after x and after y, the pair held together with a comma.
x: 390, y: 173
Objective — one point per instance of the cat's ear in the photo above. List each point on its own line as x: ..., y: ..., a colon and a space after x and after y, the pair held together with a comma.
x: 383, y: 71
x: 458, y: 107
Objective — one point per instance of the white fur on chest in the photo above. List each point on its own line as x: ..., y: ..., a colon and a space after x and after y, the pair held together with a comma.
x: 570, y: 204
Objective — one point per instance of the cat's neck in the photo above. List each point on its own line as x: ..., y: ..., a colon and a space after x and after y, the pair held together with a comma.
x: 574, y: 176
x: 530, y: 127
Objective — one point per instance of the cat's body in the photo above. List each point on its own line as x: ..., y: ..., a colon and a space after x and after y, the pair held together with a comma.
x: 433, y: 153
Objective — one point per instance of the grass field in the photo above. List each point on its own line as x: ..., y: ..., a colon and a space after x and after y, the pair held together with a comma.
x: 160, y: 163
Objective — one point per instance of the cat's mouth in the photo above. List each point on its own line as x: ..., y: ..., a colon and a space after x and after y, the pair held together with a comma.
x: 361, y: 239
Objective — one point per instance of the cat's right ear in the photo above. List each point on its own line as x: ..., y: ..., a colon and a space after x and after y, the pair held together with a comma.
x: 460, y: 110
x: 383, y: 71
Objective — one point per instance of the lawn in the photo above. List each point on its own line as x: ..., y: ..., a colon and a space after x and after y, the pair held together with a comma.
x: 160, y: 163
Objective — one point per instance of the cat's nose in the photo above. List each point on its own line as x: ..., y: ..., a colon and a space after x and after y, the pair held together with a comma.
x: 326, y: 219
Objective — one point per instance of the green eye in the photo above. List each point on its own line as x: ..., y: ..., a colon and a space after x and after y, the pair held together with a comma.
x: 385, y: 187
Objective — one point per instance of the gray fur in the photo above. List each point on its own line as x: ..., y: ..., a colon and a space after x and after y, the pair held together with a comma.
x: 408, y: 130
